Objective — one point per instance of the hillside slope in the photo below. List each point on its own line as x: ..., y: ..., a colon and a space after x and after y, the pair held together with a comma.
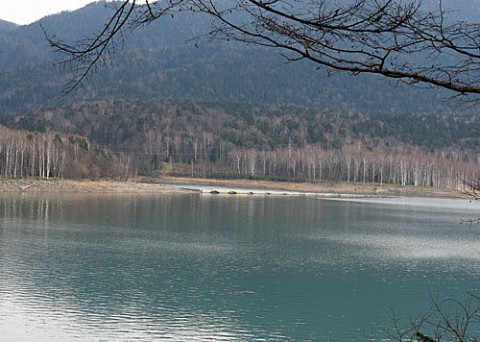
x: 127, y: 123
x: 7, y: 26
x: 166, y: 61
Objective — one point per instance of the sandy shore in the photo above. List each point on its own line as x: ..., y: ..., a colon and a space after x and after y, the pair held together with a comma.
x: 250, y: 187
x: 85, y: 186
x: 242, y: 186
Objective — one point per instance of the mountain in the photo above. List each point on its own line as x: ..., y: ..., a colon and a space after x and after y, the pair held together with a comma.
x: 7, y: 26
x: 165, y: 61
x: 172, y: 101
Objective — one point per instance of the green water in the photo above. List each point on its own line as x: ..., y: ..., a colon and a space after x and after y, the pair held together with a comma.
x: 225, y: 268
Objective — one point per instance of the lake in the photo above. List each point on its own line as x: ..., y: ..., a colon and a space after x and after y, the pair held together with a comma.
x: 190, y: 267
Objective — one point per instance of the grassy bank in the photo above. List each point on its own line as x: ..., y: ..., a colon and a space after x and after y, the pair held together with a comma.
x: 327, y: 187
x: 163, y: 185
x: 85, y: 186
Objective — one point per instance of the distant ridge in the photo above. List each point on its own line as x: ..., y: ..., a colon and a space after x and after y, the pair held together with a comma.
x: 7, y: 26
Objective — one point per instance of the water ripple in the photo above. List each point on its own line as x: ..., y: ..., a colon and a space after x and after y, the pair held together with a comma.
x: 180, y: 269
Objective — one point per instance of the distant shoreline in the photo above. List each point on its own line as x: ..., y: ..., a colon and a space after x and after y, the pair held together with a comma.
x: 327, y: 189
x: 231, y: 187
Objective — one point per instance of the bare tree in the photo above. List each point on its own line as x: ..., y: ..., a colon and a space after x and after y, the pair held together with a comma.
x: 448, y: 320
x: 398, y: 39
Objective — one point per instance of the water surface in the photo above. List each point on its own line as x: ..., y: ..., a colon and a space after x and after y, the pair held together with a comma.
x: 226, y: 268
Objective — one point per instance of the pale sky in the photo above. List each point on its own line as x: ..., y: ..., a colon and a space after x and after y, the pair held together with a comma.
x: 27, y: 11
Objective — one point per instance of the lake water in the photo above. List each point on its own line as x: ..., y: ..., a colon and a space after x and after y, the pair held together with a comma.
x: 226, y: 268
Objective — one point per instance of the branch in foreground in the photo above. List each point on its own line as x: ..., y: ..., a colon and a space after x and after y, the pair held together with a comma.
x: 396, y: 39
x: 448, y: 321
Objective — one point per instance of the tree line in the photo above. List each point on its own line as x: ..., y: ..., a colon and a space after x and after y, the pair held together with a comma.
x: 49, y: 155
x: 122, y: 139
x: 212, y: 158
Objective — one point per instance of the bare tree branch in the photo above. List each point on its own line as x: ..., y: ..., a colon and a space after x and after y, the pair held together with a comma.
x: 448, y: 321
x: 398, y: 39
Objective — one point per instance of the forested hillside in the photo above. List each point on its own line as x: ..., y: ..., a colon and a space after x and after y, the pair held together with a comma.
x: 119, y: 122
x: 271, y: 142
x: 47, y: 155
x: 174, y: 59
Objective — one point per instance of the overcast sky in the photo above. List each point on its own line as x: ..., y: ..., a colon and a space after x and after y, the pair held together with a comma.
x: 27, y: 11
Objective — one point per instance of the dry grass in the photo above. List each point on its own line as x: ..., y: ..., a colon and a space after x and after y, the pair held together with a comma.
x: 97, y: 186
x: 162, y: 186
x: 324, y: 187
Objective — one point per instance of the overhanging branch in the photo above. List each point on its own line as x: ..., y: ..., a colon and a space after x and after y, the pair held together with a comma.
x: 394, y: 38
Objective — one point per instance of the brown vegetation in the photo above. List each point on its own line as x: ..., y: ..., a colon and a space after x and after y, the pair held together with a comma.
x: 344, y: 189
x: 55, y: 155
x: 164, y: 185
x: 97, y: 186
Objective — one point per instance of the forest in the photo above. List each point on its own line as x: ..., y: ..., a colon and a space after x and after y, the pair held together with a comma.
x: 51, y: 155
x: 124, y: 139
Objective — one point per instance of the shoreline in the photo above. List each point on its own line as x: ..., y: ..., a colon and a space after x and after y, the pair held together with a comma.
x: 82, y: 186
x: 327, y: 189
x: 222, y: 187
